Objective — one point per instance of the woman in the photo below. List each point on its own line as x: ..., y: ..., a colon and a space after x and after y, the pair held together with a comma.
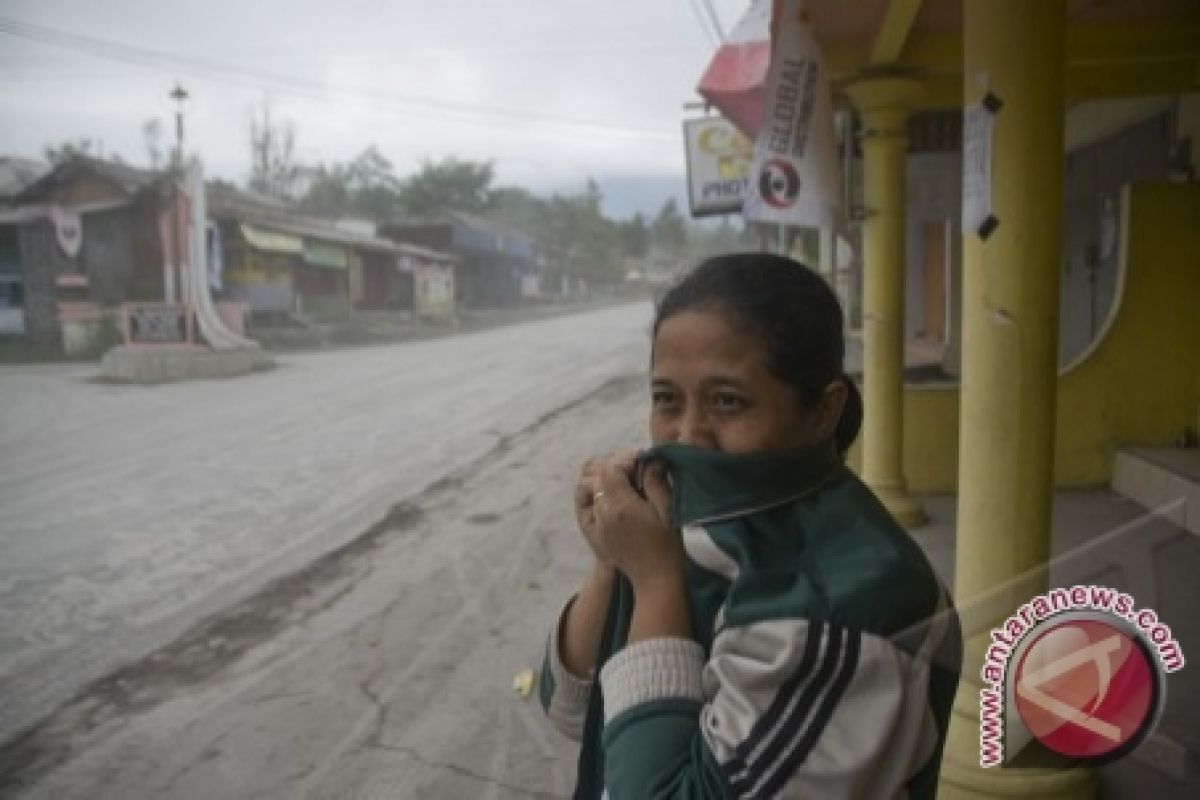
x: 755, y: 624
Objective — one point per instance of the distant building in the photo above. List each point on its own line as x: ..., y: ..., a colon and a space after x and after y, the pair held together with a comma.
x: 82, y: 237
x: 498, y: 266
x: 283, y: 263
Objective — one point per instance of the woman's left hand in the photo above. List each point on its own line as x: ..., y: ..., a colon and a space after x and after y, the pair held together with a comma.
x: 632, y: 532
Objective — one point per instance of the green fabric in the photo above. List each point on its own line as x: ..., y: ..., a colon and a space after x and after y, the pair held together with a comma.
x: 708, y: 484
x: 656, y: 751
x: 811, y: 542
x: 322, y: 254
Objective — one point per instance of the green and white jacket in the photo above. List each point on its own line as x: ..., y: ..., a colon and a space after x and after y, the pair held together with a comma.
x: 825, y: 658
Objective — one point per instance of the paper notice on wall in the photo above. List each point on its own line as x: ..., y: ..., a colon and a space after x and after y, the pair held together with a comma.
x: 978, y: 126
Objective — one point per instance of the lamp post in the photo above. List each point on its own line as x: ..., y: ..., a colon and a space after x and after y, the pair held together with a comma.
x: 176, y: 291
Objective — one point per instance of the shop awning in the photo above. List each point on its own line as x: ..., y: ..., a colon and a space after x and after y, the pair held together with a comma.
x: 262, y: 239
x: 323, y: 254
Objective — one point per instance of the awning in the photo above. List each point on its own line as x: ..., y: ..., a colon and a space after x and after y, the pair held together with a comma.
x: 262, y: 239
x: 323, y: 254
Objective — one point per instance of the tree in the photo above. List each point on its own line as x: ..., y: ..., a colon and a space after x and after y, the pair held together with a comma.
x: 449, y: 184
x: 57, y: 154
x: 635, y: 237
x: 669, y: 230
x: 152, y: 136
x: 273, y: 168
x: 366, y: 186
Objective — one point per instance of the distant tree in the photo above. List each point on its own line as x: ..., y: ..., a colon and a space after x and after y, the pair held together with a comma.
x: 449, y: 184
x: 65, y: 151
x: 273, y: 168
x: 635, y: 237
x: 328, y: 192
x: 152, y: 137
x: 669, y: 230
x: 365, y: 186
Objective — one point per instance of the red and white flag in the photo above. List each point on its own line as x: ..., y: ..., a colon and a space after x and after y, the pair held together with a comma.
x: 795, y: 178
x: 733, y: 82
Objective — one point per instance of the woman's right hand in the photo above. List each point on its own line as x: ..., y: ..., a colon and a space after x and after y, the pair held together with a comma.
x: 586, y: 489
x: 585, y: 502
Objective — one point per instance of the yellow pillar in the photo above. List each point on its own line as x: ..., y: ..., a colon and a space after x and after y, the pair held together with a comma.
x: 1009, y: 367
x: 884, y: 104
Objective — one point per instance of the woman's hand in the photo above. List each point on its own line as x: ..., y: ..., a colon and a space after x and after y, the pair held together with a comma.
x: 623, y: 529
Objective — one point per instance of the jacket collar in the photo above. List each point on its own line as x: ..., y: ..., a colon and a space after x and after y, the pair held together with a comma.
x: 708, y: 485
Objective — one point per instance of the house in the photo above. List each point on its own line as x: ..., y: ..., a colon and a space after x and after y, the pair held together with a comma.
x: 497, y: 265
x: 83, y: 238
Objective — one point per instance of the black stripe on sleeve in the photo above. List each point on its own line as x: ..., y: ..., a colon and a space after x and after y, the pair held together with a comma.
x: 794, y: 724
x: 802, y: 748
x: 779, y: 705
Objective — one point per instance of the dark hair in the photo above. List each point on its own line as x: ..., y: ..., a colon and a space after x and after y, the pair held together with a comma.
x: 790, y: 308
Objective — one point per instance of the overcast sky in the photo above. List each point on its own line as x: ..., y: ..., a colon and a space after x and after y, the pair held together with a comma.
x: 551, y: 90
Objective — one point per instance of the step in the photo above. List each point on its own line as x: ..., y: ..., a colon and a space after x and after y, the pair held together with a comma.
x: 1165, y: 479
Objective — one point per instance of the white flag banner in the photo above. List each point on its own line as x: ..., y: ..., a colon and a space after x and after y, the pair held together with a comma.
x: 795, y: 177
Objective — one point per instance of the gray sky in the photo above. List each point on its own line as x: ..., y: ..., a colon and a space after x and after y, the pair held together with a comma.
x: 551, y: 90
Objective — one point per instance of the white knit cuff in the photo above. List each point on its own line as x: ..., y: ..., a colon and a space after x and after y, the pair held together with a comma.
x: 569, y: 702
x: 654, y: 669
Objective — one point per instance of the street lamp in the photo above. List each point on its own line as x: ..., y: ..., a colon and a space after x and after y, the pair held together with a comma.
x: 176, y: 292
x: 180, y: 96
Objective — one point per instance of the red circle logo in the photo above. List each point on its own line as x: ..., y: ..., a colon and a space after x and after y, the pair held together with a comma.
x: 1085, y: 688
x: 778, y: 183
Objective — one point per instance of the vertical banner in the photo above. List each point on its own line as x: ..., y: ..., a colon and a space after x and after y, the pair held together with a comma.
x: 795, y: 177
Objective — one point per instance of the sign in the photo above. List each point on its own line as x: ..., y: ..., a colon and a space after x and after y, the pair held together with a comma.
x: 718, y: 165
x: 68, y: 230
x: 795, y: 176
x: 978, y: 127
x: 1078, y: 670
x: 157, y: 324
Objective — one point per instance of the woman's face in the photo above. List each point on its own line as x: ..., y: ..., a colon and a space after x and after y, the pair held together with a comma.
x: 710, y: 387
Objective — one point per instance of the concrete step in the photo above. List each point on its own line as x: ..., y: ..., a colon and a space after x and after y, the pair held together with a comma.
x: 1164, y: 479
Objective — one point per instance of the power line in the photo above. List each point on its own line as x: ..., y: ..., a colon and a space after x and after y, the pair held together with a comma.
x: 716, y: 20
x: 699, y: 15
x: 147, y: 57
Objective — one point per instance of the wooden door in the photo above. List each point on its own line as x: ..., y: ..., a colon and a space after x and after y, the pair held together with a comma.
x: 934, y: 237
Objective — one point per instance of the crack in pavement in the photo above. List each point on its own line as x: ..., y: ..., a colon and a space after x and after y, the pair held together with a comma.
x: 416, y: 755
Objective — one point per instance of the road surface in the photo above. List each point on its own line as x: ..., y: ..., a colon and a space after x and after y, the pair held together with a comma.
x: 128, y: 513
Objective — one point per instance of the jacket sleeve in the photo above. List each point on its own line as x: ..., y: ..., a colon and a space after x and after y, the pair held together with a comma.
x: 563, y: 696
x: 781, y: 708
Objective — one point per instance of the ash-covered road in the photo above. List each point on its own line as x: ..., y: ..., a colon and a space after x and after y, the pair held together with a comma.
x: 129, y: 513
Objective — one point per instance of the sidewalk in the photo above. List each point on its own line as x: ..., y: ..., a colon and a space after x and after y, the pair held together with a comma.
x: 1103, y: 538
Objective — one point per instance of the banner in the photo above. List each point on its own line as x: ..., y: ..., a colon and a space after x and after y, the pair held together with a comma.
x: 68, y: 230
x: 733, y: 81
x: 795, y: 177
x: 718, y: 163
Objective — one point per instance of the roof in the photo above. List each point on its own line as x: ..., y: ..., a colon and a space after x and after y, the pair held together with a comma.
x: 472, y: 232
x: 18, y: 173
x: 268, y: 213
x: 128, y: 179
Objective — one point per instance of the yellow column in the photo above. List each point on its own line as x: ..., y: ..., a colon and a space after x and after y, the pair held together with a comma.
x: 883, y: 105
x: 1009, y: 367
